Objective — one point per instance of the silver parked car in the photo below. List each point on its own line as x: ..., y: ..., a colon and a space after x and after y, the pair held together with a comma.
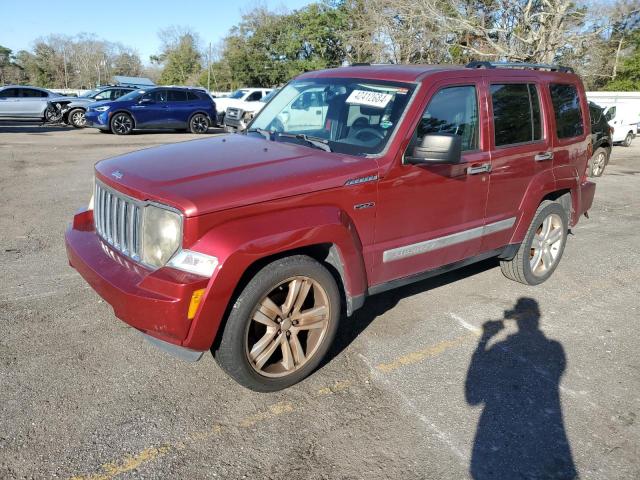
x: 18, y: 102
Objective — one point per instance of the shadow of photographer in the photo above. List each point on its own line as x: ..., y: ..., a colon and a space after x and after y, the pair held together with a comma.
x: 521, y: 431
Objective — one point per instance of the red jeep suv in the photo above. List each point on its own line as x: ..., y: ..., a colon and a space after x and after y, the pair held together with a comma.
x: 349, y: 182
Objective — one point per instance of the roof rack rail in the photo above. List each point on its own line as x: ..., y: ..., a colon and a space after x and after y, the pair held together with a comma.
x: 532, y: 66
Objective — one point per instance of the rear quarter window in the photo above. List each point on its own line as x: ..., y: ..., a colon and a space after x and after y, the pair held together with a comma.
x: 566, y: 107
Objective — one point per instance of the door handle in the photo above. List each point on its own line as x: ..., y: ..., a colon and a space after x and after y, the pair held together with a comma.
x: 541, y: 157
x: 474, y: 170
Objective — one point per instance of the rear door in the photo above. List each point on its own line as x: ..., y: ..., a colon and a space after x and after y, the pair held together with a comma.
x: 521, y: 153
x: 32, y: 102
x: 179, y: 108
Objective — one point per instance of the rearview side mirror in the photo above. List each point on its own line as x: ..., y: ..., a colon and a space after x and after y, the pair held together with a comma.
x: 437, y: 148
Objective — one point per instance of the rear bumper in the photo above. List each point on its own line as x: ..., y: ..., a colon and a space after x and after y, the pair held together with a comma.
x: 154, y: 302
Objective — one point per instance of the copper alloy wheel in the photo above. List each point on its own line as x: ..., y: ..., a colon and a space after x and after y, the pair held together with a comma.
x: 546, y: 245
x: 599, y: 163
x: 287, y: 327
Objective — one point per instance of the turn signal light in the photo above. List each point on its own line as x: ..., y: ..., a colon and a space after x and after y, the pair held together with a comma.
x: 196, y: 297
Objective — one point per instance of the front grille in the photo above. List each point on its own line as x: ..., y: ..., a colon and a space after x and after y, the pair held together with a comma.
x: 117, y: 219
x: 233, y: 113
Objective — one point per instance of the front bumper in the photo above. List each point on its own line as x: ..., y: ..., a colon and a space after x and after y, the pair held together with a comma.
x: 232, y: 124
x: 97, y: 119
x: 154, y: 302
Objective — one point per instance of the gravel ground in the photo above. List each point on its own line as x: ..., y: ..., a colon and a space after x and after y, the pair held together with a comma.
x: 411, y: 390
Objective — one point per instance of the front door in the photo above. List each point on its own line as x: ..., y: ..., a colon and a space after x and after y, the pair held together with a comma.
x: 151, y: 110
x: 433, y: 215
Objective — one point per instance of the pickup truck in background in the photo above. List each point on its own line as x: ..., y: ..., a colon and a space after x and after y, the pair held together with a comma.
x: 239, y: 99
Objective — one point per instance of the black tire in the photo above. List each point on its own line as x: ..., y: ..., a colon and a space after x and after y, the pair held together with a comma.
x: 519, y: 267
x: 231, y: 352
x: 121, y: 123
x: 598, y: 162
x: 628, y: 139
x: 199, y: 123
x: 76, y: 119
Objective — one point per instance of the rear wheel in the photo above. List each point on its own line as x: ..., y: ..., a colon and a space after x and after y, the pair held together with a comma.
x: 122, y: 124
x: 542, y: 248
x: 628, y: 139
x: 76, y: 118
x: 281, y: 325
x: 199, y: 123
x: 598, y: 163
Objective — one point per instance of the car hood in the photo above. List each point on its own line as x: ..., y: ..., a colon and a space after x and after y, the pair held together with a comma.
x: 223, y: 103
x: 203, y: 176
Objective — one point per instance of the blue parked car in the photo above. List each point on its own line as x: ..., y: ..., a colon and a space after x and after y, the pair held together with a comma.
x: 154, y: 108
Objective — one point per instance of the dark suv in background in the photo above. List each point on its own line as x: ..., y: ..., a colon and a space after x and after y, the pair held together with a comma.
x: 601, y: 139
x: 179, y: 108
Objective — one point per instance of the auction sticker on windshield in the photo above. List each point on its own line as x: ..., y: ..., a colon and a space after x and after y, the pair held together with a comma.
x: 369, y: 99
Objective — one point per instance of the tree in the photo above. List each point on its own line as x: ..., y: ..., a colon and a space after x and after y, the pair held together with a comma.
x: 628, y: 76
x: 180, y: 56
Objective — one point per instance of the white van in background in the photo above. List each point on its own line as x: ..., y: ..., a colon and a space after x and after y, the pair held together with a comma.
x: 622, y: 111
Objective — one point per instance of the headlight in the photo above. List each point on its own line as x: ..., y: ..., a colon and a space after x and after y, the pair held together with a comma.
x: 161, y: 235
x: 194, y: 262
x: 102, y: 109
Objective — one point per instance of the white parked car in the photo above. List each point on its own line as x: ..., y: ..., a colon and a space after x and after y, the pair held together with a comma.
x: 624, y: 121
x: 239, y: 99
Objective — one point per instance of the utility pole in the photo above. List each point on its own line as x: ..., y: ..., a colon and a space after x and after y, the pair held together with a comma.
x: 209, y: 69
x: 64, y: 59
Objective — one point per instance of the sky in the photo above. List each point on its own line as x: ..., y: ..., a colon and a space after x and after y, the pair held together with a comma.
x: 134, y: 23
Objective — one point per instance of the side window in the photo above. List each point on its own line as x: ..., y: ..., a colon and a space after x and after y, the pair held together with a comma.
x: 32, y: 93
x: 516, y: 113
x: 9, y: 93
x: 611, y: 114
x: 191, y: 96
x: 595, y: 113
x: 254, y: 97
x: 104, y: 95
x: 157, y: 95
x: 176, y: 96
x: 452, y: 110
x: 566, y: 106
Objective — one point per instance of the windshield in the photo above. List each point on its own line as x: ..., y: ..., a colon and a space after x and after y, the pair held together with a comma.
x: 131, y: 95
x: 238, y: 94
x: 90, y: 93
x: 350, y: 115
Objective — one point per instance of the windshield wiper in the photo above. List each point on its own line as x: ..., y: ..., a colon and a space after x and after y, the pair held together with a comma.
x: 318, y: 142
x: 265, y: 133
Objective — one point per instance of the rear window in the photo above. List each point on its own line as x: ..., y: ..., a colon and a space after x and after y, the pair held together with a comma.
x: 566, y: 106
x: 516, y: 113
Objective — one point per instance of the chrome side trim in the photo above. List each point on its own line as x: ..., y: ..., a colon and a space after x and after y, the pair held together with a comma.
x: 446, y: 241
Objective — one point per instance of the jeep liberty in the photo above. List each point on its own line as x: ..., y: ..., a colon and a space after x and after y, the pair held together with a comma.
x: 254, y: 246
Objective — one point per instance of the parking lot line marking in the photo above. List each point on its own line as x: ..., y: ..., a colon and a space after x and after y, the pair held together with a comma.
x: 128, y: 463
x: 422, y: 354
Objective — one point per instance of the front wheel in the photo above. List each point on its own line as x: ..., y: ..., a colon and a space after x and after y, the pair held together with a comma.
x: 76, y: 118
x: 281, y: 325
x: 628, y: 139
x: 122, y: 124
x: 199, y: 123
x: 542, y: 248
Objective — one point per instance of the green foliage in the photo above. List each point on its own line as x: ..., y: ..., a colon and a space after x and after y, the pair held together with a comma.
x: 268, y: 49
x: 182, y: 62
x: 628, y: 77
